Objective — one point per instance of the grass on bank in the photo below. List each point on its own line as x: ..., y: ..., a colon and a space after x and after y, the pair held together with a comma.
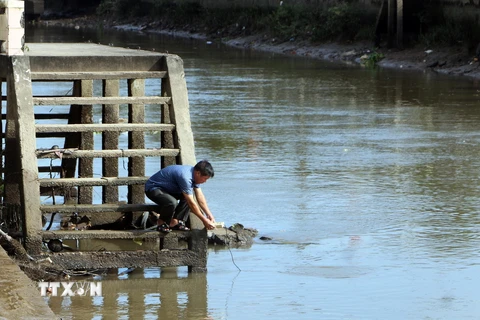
x: 343, y: 22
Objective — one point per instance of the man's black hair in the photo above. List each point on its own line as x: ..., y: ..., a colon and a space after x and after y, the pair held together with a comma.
x: 205, y: 168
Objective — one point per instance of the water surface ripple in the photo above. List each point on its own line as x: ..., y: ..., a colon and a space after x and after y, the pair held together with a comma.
x: 366, y: 181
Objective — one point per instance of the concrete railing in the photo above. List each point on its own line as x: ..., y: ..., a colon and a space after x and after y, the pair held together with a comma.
x: 12, y: 27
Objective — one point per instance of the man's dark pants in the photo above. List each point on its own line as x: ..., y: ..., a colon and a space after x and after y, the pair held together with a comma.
x: 171, y: 206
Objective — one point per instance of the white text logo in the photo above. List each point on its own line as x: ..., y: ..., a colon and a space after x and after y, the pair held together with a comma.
x: 70, y: 289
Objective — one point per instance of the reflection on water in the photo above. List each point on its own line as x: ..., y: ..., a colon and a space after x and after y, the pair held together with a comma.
x: 366, y: 180
x: 147, y: 294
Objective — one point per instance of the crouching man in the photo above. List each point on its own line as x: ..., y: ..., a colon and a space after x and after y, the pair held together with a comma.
x: 176, y: 189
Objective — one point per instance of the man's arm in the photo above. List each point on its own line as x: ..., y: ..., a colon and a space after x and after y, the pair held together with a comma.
x: 202, y: 202
x: 194, y: 207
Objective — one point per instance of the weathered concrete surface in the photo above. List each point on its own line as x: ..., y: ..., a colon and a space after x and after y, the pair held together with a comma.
x: 19, y: 296
x: 87, y: 57
x: 63, y: 50
x: 20, y: 103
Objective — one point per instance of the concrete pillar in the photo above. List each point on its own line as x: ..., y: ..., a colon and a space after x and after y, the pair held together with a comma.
x: 20, y: 104
x: 176, y: 87
x: 136, y: 140
x: 12, y: 27
x: 111, y: 88
x: 85, y: 165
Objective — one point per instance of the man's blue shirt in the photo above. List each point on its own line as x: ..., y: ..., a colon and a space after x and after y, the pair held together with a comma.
x: 175, y: 179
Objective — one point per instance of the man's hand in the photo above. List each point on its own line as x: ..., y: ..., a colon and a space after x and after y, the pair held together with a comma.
x: 208, y: 219
x: 211, y: 218
x: 209, y: 224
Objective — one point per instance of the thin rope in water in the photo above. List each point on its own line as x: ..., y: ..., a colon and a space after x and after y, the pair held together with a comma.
x: 229, y: 250
x: 227, y: 300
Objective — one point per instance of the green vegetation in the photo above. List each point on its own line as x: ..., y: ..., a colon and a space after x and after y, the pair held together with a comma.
x: 344, y: 22
x: 341, y: 22
x: 372, y: 59
x: 448, y: 27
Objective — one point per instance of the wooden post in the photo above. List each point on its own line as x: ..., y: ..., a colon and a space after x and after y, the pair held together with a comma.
x: 400, y: 24
x: 110, y: 139
x: 20, y: 104
x: 391, y: 23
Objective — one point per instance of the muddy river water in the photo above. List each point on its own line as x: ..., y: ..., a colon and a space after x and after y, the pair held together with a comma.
x: 366, y: 181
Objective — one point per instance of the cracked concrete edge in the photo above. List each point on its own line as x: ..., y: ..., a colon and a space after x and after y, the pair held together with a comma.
x: 19, y: 296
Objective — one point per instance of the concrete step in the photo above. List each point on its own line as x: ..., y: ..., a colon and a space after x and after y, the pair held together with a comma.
x: 110, y: 127
x: 102, y: 75
x: 111, y: 234
x: 105, y: 181
x: 125, y: 259
x: 114, y: 153
x: 45, y: 116
x: 93, y: 208
x: 63, y: 101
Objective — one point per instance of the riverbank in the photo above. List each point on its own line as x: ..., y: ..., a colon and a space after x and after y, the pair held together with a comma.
x: 455, y: 61
x: 19, y: 296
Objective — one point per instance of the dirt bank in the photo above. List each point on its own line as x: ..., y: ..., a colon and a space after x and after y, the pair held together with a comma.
x: 451, y: 60
x: 456, y: 61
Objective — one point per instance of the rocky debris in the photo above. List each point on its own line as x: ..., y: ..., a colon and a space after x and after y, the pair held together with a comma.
x: 13, y: 247
x: 75, y: 222
x: 234, y: 236
x: 36, y: 270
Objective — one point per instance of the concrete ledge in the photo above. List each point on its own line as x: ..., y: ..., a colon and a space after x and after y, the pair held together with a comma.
x: 19, y: 296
